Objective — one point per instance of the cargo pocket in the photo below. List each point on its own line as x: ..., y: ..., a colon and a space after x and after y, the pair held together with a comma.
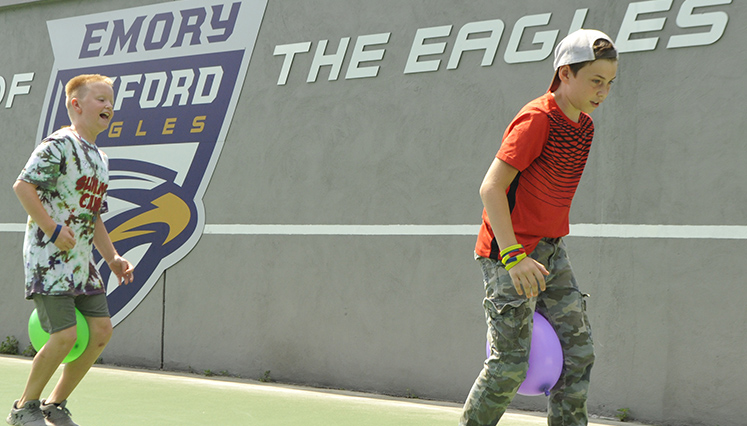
x: 509, y: 324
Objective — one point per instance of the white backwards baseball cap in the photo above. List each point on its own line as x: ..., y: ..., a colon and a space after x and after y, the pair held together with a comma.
x: 576, y: 47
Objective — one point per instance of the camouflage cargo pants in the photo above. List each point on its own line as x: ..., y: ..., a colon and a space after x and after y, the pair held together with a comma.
x: 509, y: 318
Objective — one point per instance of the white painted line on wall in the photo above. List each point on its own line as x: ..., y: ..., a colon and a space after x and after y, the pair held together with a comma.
x: 577, y: 230
x: 342, y: 229
x: 588, y: 230
x: 717, y: 232
x: 12, y: 227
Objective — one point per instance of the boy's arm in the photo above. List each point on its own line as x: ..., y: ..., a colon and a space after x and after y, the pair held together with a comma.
x: 528, y: 274
x: 119, y: 265
x: 26, y: 193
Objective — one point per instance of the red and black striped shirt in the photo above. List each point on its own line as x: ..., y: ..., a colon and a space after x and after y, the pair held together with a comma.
x: 550, y: 152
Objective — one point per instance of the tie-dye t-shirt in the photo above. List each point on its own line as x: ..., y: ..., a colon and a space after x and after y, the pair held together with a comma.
x: 71, y: 176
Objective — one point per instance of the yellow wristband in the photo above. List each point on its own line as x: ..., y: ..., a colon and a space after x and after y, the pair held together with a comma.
x: 516, y: 261
x: 507, y: 250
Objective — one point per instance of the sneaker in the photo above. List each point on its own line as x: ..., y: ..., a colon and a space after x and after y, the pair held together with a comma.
x: 57, y: 414
x: 29, y: 415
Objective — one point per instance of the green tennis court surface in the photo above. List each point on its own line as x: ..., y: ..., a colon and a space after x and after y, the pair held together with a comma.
x: 111, y: 396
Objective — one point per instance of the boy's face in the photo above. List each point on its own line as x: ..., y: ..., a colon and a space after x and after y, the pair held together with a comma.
x: 95, y: 108
x: 591, y: 84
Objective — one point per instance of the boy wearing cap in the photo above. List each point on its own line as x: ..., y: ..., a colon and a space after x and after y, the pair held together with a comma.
x: 527, y: 194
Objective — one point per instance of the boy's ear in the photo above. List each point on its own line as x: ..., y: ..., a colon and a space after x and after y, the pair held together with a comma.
x: 564, y: 73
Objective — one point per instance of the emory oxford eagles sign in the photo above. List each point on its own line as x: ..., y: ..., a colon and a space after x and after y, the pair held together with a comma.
x: 178, y: 69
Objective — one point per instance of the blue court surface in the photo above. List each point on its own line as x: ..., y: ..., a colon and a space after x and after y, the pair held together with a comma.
x: 114, y: 396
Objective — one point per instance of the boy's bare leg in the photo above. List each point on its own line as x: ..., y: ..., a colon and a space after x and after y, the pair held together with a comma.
x: 100, y: 331
x: 46, y: 362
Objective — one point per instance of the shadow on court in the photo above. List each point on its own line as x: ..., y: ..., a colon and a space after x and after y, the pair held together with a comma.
x: 112, y: 396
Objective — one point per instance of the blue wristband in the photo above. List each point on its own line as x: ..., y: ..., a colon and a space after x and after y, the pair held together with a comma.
x: 56, y: 233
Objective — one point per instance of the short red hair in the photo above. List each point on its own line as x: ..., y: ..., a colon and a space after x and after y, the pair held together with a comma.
x: 77, y: 86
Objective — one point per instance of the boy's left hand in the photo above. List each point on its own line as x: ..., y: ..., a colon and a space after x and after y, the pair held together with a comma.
x: 123, y: 269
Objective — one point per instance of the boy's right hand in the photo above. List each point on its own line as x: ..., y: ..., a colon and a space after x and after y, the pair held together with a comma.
x: 528, y: 277
x: 66, y: 239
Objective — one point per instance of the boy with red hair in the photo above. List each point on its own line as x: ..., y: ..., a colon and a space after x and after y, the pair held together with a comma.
x: 63, y: 189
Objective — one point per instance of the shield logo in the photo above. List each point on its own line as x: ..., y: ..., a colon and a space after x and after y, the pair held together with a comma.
x: 178, y: 70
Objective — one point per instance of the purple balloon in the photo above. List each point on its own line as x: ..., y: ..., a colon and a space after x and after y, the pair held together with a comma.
x: 545, y: 359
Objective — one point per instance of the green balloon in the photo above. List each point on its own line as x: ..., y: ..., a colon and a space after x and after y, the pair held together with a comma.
x: 39, y: 337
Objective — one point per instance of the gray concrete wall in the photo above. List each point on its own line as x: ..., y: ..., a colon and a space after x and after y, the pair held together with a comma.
x: 402, y: 314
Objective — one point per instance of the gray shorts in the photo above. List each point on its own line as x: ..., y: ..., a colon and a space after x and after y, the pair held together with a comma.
x: 57, y: 313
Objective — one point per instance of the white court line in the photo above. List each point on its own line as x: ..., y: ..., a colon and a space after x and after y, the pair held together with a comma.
x: 717, y: 232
